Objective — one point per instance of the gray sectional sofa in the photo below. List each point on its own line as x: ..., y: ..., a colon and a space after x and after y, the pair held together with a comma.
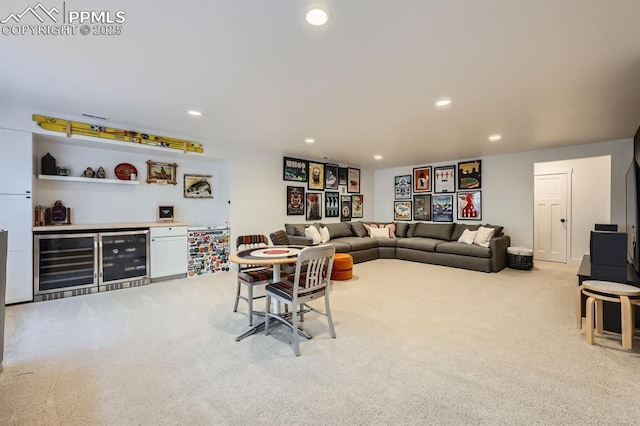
x: 425, y: 242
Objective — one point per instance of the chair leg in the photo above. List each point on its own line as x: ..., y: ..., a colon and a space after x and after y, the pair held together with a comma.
x: 589, y: 320
x: 296, y: 338
x: 327, y: 310
x: 267, y: 311
x: 250, y: 303
x: 235, y: 306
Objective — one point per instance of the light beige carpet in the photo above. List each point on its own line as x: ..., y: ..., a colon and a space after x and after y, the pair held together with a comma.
x: 430, y: 345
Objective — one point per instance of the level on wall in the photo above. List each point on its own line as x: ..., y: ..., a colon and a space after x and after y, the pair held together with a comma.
x: 85, y: 129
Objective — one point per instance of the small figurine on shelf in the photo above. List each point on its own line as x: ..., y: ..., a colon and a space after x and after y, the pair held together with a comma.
x: 101, y: 174
x: 88, y: 173
x: 58, y: 213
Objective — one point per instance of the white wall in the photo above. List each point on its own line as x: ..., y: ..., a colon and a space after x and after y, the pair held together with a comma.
x: 590, y: 201
x: 507, y: 185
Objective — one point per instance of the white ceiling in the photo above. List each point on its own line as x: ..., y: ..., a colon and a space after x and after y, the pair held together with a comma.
x: 542, y: 73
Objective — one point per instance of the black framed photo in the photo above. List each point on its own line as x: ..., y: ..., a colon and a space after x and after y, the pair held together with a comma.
x: 314, y: 205
x: 422, y: 207
x: 316, y: 176
x: 470, y: 205
x: 470, y: 175
x: 357, y: 208
x: 295, y: 169
x: 331, y: 176
x: 422, y: 179
x: 402, y: 210
x: 295, y: 201
x: 331, y: 204
x: 345, y: 208
x: 402, y: 185
x: 442, y: 208
x: 343, y: 174
x: 444, y: 179
x: 353, y: 184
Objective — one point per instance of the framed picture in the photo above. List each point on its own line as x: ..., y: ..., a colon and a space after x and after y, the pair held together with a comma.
x: 402, y: 210
x: 470, y: 205
x: 316, y: 176
x: 295, y: 170
x: 161, y: 172
x: 442, y: 208
x: 422, y: 207
x: 197, y: 186
x: 295, y: 201
x: 444, y: 179
x: 343, y: 174
x: 331, y: 204
x: 422, y: 179
x: 331, y: 176
x: 402, y: 185
x: 314, y: 205
x: 353, y: 180
x: 345, y: 208
x: 357, y: 210
x: 470, y: 175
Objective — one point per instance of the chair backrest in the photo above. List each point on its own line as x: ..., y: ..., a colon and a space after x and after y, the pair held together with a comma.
x: 279, y: 238
x: 250, y: 241
x: 313, y: 269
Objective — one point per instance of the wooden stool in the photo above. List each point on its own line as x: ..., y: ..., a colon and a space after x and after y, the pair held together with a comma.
x: 598, y: 291
x: 342, y: 267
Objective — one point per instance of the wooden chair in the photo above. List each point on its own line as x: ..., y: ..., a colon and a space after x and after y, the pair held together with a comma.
x: 311, y: 281
x: 251, y: 275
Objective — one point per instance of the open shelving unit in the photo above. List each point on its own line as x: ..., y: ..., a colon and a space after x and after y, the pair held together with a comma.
x: 88, y: 180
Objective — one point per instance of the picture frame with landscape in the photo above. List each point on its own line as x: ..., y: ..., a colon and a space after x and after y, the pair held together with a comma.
x: 163, y: 173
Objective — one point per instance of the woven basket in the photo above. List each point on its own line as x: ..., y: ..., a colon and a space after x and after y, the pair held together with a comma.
x: 518, y: 261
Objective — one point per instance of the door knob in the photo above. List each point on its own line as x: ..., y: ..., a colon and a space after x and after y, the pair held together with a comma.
x: 562, y: 220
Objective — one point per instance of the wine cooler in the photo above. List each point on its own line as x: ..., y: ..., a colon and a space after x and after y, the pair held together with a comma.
x: 82, y: 263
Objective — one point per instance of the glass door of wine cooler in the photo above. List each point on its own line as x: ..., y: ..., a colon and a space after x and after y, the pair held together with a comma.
x: 65, y: 262
x: 124, y: 257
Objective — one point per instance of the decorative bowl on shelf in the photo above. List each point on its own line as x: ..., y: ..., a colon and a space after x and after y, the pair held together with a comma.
x: 124, y: 171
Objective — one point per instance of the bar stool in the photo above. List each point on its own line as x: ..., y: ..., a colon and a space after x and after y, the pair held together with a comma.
x: 599, y: 291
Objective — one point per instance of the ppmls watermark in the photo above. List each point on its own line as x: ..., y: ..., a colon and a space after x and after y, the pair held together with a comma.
x: 41, y: 20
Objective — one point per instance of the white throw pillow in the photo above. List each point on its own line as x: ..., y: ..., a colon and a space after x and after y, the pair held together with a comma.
x: 468, y: 236
x: 483, y: 236
x: 324, y: 234
x: 313, y: 233
x: 379, y: 232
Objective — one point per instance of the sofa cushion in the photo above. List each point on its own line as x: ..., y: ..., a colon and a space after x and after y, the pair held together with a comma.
x: 337, y: 230
x: 438, y: 231
x: 473, y: 250
x: 296, y: 229
x: 340, y: 246
x: 419, y: 243
x: 459, y: 228
x: 324, y: 234
x: 483, y: 236
x: 358, y: 243
x: 386, y: 242
x: 313, y: 233
x: 401, y: 230
x: 468, y: 237
x: 411, y: 230
x: 499, y: 230
x: 358, y: 229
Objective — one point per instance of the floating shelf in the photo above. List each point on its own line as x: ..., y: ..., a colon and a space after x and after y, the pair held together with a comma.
x: 88, y: 180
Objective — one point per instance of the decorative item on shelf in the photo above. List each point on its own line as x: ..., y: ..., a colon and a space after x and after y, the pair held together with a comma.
x: 48, y: 165
x: 64, y: 171
x: 161, y: 172
x: 58, y: 212
x: 88, y: 173
x: 101, y: 174
x: 166, y: 213
x: 126, y: 171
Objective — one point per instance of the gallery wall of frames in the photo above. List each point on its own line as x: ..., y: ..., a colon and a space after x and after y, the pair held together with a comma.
x: 428, y: 194
x: 316, y: 190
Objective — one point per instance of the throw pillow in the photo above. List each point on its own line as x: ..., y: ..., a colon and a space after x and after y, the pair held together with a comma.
x: 392, y: 229
x: 324, y: 234
x: 368, y: 227
x: 313, y: 233
x: 468, y: 237
x: 359, y: 229
x: 401, y: 229
x: 483, y: 236
x: 380, y: 232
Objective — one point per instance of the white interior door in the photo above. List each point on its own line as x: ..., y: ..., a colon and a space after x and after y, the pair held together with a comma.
x: 550, y: 218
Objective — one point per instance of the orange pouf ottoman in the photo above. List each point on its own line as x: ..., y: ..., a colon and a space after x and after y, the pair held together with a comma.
x: 342, y: 267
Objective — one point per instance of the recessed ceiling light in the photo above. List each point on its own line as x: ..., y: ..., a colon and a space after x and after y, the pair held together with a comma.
x: 495, y: 138
x: 194, y: 113
x: 309, y: 141
x: 443, y: 102
x: 317, y: 17
x: 377, y: 157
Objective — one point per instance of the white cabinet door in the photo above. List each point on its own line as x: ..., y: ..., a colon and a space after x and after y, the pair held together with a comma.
x: 15, y: 216
x: 16, y: 173
x: 168, y: 251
